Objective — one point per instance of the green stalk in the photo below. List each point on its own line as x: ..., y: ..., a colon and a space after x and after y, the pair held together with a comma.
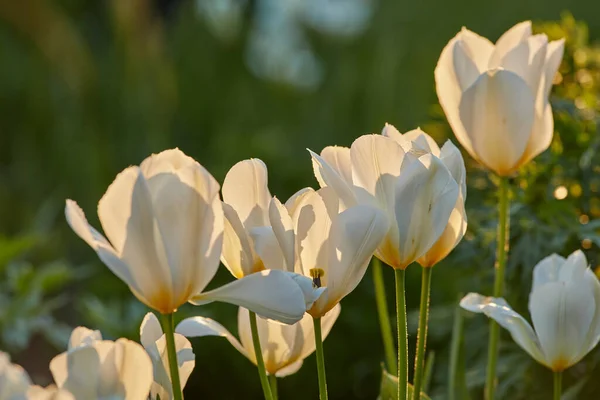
x: 557, y: 384
x: 428, y: 371
x: 455, y: 368
x: 320, y: 359
x: 273, y: 382
x: 501, y: 255
x: 422, y: 335
x: 402, y: 334
x: 166, y: 322
x: 260, y: 363
x: 384, y: 318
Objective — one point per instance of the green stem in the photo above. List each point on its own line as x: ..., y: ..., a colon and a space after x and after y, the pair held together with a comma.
x: 260, y: 363
x: 428, y: 371
x: 455, y: 355
x: 422, y: 334
x: 402, y: 334
x: 384, y: 318
x: 273, y: 382
x: 320, y: 359
x: 166, y: 322
x: 557, y: 384
x: 501, y: 255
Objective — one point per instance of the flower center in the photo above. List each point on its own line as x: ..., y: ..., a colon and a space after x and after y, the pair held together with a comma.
x: 316, y: 274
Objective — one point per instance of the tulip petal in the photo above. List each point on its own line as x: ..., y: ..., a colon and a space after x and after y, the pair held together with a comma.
x: 238, y: 255
x: 426, y: 194
x: 554, y: 55
x: 290, y: 369
x: 296, y: 199
x: 150, y: 330
x: 127, y: 217
x: 283, y: 228
x: 423, y: 141
x: 82, y: 336
x: 453, y: 160
x: 14, y: 381
x: 267, y: 248
x: 188, y: 213
x: 391, y: 132
x: 312, y: 224
x: 162, y: 385
x: 497, y: 113
x: 339, y: 159
x: 246, y: 189
x: 80, y: 374
x: 497, y: 309
x: 509, y: 40
x: 329, y: 176
x: 167, y: 161
x: 272, y: 294
x: 48, y: 393
x: 555, y: 268
x: 541, y: 133
x: 201, y: 326
x: 107, y: 254
x: 562, y: 314
x: 355, y: 234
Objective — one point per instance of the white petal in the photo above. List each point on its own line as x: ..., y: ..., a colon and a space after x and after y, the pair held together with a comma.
x: 82, y: 336
x: 270, y: 293
x: 162, y: 385
x: 500, y: 311
x: 339, y: 158
x: 423, y: 141
x: 355, y: 234
x: 134, y: 369
x: 593, y: 335
x: 541, y: 133
x: 296, y: 199
x: 48, y: 393
x: 290, y: 369
x: 267, y: 248
x: 453, y: 160
x: 167, y: 161
x: 150, y: 330
x: 562, y: 314
x: 426, y: 194
x: 246, y: 189
x: 312, y: 224
x: 80, y: 374
x: 200, y: 326
x: 283, y: 228
x: 127, y: 217
x: 554, y: 57
x: 106, y: 253
x: 390, y: 131
x: 14, y: 381
x: 188, y: 214
x: 497, y: 113
x: 238, y: 255
x: 329, y: 176
x: 509, y: 40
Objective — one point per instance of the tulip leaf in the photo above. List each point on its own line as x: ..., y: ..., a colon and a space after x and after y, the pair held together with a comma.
x: 389, y: 387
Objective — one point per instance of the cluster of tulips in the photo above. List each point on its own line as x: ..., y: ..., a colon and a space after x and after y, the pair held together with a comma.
x: 397, y: 196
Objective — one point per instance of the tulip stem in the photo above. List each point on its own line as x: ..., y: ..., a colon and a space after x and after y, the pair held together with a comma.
x: 402, y: 334
x: 456, y: 367
x: 384, y: 318
x: 320, y: 359
x: 557, y: 384
x: 422, y: 334
x: 273, y: 382
x: 166, y: 322
x: 501, y: 255
x: 260, y: 363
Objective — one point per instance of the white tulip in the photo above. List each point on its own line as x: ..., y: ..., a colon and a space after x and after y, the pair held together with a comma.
x: 496, y: 96
x: 284, y: 347
x: 154, y: 341
x: 416, y: 191
x: 164, y: 220
x: 420, y: 143
x: 14, y: 381
x: 331, y: 247
x: 96, y: 369
x: 564, y: 304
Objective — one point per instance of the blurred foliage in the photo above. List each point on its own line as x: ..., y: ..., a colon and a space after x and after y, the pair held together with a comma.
x: 87, y: 88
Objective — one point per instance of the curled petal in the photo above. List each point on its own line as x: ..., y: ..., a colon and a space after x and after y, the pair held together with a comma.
x: 201, y: 326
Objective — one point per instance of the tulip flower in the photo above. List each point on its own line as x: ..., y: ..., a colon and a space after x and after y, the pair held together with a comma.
x: 154, y: 341
x: 14, y: 381
x: 284, y: 347
x: 49, y: 393
x: 418, y: 194
x: 96, y: 369
x: 564, y: 304
x: 164, y: 221
x: 496, y: 96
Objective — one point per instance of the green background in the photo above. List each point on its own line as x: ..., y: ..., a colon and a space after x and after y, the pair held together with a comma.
x: 90, y: 87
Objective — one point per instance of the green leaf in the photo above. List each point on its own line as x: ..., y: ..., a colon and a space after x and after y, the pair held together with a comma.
x: 389, y: 387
